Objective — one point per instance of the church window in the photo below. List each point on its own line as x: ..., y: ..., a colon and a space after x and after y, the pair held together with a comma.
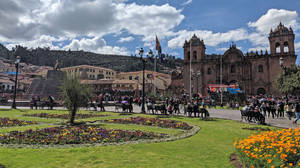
x: 286, y: 47
x: 208, y: 71
x: 188, y: 55
x: 232, y: 69
x: 260, y: 68
x: 195, y: 55
x: 277, y: 47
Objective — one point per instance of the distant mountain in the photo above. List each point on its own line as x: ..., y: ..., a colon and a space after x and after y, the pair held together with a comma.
x: 47, y: 57
x: 4, y: 52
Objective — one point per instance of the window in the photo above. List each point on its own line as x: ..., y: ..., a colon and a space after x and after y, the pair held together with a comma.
x: 130, y: 78
x: 136, y: 78
x: 195, y: 55
x: 286, y: 47
x: 208, y: 71
x: 232, y: 69
x: 260, y: 68
x: 277, y: 48
x: 188, y: 55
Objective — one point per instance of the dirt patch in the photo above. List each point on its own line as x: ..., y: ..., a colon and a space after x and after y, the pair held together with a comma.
x: 2, y: 166
x: 235, y: 160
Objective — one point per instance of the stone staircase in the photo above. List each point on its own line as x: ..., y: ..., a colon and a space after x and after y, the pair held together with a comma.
x: 47, y: 87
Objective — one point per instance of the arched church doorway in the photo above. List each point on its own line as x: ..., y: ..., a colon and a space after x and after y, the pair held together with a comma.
x: 261, y: 91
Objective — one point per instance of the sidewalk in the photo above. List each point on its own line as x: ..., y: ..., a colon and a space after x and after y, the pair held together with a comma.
x: 216, y: 113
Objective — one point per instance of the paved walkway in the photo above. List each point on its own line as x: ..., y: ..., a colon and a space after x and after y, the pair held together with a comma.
x: 216, y: 113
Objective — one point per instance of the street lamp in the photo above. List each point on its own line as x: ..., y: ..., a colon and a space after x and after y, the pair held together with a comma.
x: 197, y: 75
x: 281, y: 63
x: 150, y: 55
x: 13, y: 106
x: 143, y: 92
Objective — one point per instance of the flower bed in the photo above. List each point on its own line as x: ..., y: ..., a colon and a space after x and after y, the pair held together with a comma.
x: 271, y: 149
x: 63, y: 116
x: 152, y: 122
x: 6, y: 122
x: 85, y: 134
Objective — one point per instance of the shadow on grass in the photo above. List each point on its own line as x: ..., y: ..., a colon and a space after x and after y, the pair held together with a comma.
x: 256, y: 129
x: 208, y: 119
x: 2, y: 166
x: 125, y: 114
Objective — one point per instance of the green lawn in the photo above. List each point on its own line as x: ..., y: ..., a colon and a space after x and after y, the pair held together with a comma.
x: 210, y: 147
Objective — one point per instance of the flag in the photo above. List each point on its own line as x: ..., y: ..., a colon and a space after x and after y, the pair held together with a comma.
x: 158, y: 48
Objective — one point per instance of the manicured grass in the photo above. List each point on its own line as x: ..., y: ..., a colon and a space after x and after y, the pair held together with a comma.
x: 210, y: 147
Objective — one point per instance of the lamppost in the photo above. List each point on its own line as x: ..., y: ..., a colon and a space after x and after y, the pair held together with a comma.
x: 281, y: 63
x: 13, y: 106
x: 150, y: 55
x: 197, y: 75
x: 143, y: 92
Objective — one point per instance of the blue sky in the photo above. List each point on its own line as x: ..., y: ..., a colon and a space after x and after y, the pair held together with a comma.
x: 123, y: 26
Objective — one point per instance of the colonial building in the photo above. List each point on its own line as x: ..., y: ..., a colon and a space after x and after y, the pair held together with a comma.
x: 158, y: 80
x: 254, y: 73
x: 91, y: 72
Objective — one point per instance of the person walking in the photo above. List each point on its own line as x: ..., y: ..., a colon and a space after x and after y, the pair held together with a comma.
x: 297, y: 112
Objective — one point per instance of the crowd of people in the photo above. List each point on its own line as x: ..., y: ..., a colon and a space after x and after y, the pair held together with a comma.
x: 268, y: 106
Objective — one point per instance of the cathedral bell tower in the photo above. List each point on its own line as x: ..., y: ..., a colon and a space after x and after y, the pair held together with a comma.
x: 282, y: 41
x: 194, y: 49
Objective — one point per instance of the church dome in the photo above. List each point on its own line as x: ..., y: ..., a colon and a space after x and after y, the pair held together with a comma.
x: 233, y: 49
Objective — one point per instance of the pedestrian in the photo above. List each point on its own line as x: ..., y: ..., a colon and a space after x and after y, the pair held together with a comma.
x: 297, y: 112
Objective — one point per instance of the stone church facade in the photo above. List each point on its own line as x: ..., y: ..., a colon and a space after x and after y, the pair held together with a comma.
x: 253, y: 72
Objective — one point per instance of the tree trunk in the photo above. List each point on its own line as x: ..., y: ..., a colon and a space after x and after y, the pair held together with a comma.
x: 72, y: 117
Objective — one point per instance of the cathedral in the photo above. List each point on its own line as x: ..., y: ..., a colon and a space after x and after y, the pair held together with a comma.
x: 254, y: 72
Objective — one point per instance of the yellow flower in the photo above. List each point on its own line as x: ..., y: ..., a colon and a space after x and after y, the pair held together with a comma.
x: 269, y: 160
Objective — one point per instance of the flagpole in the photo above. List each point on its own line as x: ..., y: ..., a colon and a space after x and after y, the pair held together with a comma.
x: 154, y: 73
x: 190, y: 69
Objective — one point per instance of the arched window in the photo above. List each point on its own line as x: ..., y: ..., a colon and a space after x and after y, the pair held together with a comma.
x: 260, y: 68
x: 195, y: 55
x: 208, y: 71
x: 232, y: 69
x: 277, y: 47
x: 188, y: 55
x: 286, y: 47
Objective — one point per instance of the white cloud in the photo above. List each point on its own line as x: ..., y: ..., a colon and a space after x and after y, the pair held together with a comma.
x: 272, y: 18
x: 42, y: 41
x: 126, y: 39
x: 187, y: 2
x: 88, y: 18
x: 148, y: 21
x: 96, y: 44
x: 297, y: 47
x: 210, y: 38
x: 259, y: 38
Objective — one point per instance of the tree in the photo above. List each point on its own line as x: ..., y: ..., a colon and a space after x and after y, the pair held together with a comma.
x: 288, y: 82
x: 75, y: 95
